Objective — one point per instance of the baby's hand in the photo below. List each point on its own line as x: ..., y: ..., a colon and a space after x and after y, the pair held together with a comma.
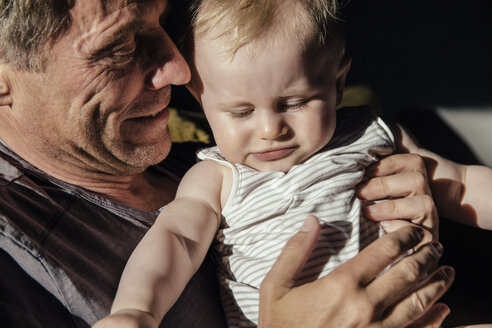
x: 127, y: 319
x: 401, y: 182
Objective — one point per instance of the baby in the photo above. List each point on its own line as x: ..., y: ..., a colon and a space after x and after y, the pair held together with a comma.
x: 268, y: 75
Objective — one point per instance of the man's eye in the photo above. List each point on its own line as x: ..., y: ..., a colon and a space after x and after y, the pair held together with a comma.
x: 122, y: 59
x: 128, y: 47
x: 241, y: 114
x: 123, y: 55
x: 126, y: 52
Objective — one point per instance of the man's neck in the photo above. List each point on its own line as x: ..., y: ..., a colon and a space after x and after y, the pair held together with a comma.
x: 143, y: 190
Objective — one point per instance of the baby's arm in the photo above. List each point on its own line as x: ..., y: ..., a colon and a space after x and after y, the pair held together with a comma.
x: 171, y: 251
x: 462, y: 192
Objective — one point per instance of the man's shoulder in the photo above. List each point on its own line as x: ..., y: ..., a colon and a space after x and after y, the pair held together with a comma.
x: 25, y: 303
x: 8, y: 170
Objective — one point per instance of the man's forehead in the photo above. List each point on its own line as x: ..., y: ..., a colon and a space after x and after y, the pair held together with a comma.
x: 102, y: 23
x: 108, y: 6
x: 89, y: 13
x: 127, y: 2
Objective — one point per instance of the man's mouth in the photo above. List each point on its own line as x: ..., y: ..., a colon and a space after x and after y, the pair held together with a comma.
x: 157, y: 115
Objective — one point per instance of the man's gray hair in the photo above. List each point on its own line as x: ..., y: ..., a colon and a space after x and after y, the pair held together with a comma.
x: 29, y: 28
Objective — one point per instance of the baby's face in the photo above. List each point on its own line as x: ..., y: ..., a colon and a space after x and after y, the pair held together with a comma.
x: 270, y: 110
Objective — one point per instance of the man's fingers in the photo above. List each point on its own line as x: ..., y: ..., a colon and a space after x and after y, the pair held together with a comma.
x: 394, y: 225
x: 396, y: 185
x: 405, y: 274
x: 412, y: 307
x: 373, y: 259
x: 432, y: 318
x: 397, y: 175
x: 420, y: 209
x: 290, y: 262
x: 400, y: 184
x: 395, y: 164
x: 413, y: 208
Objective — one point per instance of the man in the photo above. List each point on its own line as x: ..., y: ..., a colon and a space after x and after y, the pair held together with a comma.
x: 84, y: 87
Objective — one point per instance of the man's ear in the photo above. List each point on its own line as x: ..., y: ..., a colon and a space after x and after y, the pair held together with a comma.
x: 5, y: 93
x: 343, y: 69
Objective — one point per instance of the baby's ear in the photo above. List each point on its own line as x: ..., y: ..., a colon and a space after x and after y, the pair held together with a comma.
x: 5, y: 95
x: 343, y: 69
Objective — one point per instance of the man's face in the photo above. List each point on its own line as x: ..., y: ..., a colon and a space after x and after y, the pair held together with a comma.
x: 101, y: 102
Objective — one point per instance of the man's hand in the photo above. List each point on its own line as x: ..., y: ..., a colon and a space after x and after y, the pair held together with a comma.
x: 401, y: 181
x: 356, y: 294
x: 127, y: 319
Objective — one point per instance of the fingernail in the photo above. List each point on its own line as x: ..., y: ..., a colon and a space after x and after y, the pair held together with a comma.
x: 371, y: 210
x: 448, y: 273
x: 385, y: 223
x: 438, y: 247
x: 447, y: 312
x: 308, y: 224
x: 420, y: 232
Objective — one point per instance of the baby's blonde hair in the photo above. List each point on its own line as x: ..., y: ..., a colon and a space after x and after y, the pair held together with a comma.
x: 244, y: 21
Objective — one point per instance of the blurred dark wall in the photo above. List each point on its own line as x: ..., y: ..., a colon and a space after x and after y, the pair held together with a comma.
x: 422, y: 52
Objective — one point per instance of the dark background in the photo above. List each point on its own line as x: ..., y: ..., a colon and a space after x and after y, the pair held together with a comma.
x: 416, y: 56
x: 422, y: 52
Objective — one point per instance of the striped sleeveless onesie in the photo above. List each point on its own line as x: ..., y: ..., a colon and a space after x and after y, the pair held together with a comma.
x: 265, y: 209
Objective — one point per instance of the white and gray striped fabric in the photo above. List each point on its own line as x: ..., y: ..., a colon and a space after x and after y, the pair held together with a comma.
x: 265, y: 209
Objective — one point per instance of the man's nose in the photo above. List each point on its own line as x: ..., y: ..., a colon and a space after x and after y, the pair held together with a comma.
x: 271, y: 126
x: 170, y: 67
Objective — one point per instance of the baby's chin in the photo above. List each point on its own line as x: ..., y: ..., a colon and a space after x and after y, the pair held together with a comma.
x: 272, y: 166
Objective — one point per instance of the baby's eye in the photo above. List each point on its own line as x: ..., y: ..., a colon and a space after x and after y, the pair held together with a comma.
x: 293, y: 105
x: 241, y: 114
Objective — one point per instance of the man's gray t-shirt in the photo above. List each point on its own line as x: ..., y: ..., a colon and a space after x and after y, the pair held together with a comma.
x: 64, y: 249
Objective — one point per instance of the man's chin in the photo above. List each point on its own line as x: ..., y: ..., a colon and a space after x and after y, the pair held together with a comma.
x: 139, y: 158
